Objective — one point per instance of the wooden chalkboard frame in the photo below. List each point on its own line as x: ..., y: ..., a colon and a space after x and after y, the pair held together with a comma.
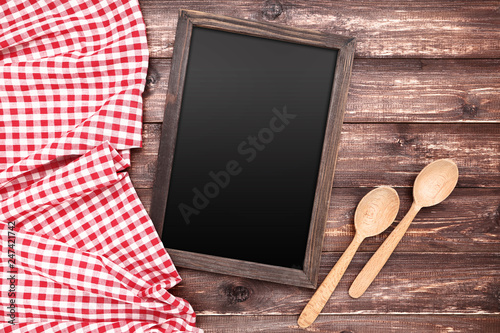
x: 345, y: 47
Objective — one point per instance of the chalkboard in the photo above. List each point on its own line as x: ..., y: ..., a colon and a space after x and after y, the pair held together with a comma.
x: 248, y: 147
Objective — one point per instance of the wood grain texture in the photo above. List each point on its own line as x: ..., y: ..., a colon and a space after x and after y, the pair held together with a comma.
x: 423, y: 29
x: 382, y: 154
x: 412, y: 283
x: 352, y: 324
x: 168, y: 134
x: 393, y: 154
x: 392, y: 90
x: 467, y: 221
x: 432, y: 186
x: 328, y: 161
x: 425, y: 81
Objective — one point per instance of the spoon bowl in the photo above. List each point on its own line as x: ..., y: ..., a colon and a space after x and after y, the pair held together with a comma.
x: 435, y: 183
x: 376, y: 211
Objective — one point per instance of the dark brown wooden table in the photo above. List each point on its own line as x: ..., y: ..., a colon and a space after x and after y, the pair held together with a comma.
x: 425, y: 85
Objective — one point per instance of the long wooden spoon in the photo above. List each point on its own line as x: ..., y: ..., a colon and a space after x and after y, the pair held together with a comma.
x: 433, y: 184
x: 375, y: 212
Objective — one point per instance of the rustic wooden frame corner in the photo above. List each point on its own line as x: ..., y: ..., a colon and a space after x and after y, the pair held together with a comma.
x: 345, y: 46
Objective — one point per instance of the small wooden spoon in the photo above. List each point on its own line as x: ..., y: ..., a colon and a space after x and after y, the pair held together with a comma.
x: 375, y: 212
x: 433, y: 184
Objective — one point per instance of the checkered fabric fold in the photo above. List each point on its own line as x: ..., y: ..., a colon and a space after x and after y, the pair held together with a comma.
x: 78, y: 250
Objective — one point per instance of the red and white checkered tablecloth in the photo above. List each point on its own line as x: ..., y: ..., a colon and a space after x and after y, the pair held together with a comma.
x: 78, y: 250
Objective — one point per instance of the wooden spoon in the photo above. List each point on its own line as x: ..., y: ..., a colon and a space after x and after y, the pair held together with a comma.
x: 433, y: 184
x: 375, y: 212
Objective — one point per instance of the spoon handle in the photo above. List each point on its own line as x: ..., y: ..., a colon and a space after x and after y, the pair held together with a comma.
x: 322, y: 295
x: 380, y: 257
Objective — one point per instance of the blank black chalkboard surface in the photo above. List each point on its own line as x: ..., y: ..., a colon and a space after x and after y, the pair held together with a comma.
x: 248, y: 146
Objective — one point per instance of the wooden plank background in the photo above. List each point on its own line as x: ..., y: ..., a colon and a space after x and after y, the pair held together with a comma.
x: 425, y: 85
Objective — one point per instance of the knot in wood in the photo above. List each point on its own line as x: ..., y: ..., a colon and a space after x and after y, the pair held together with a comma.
x: 469, y: 110
x: 404, y: 141
x: 151, y: 80
x: 237, y: 294
x: 272, y: 9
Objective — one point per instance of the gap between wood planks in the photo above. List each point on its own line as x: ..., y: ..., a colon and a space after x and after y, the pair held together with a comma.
x: 392, y: 91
